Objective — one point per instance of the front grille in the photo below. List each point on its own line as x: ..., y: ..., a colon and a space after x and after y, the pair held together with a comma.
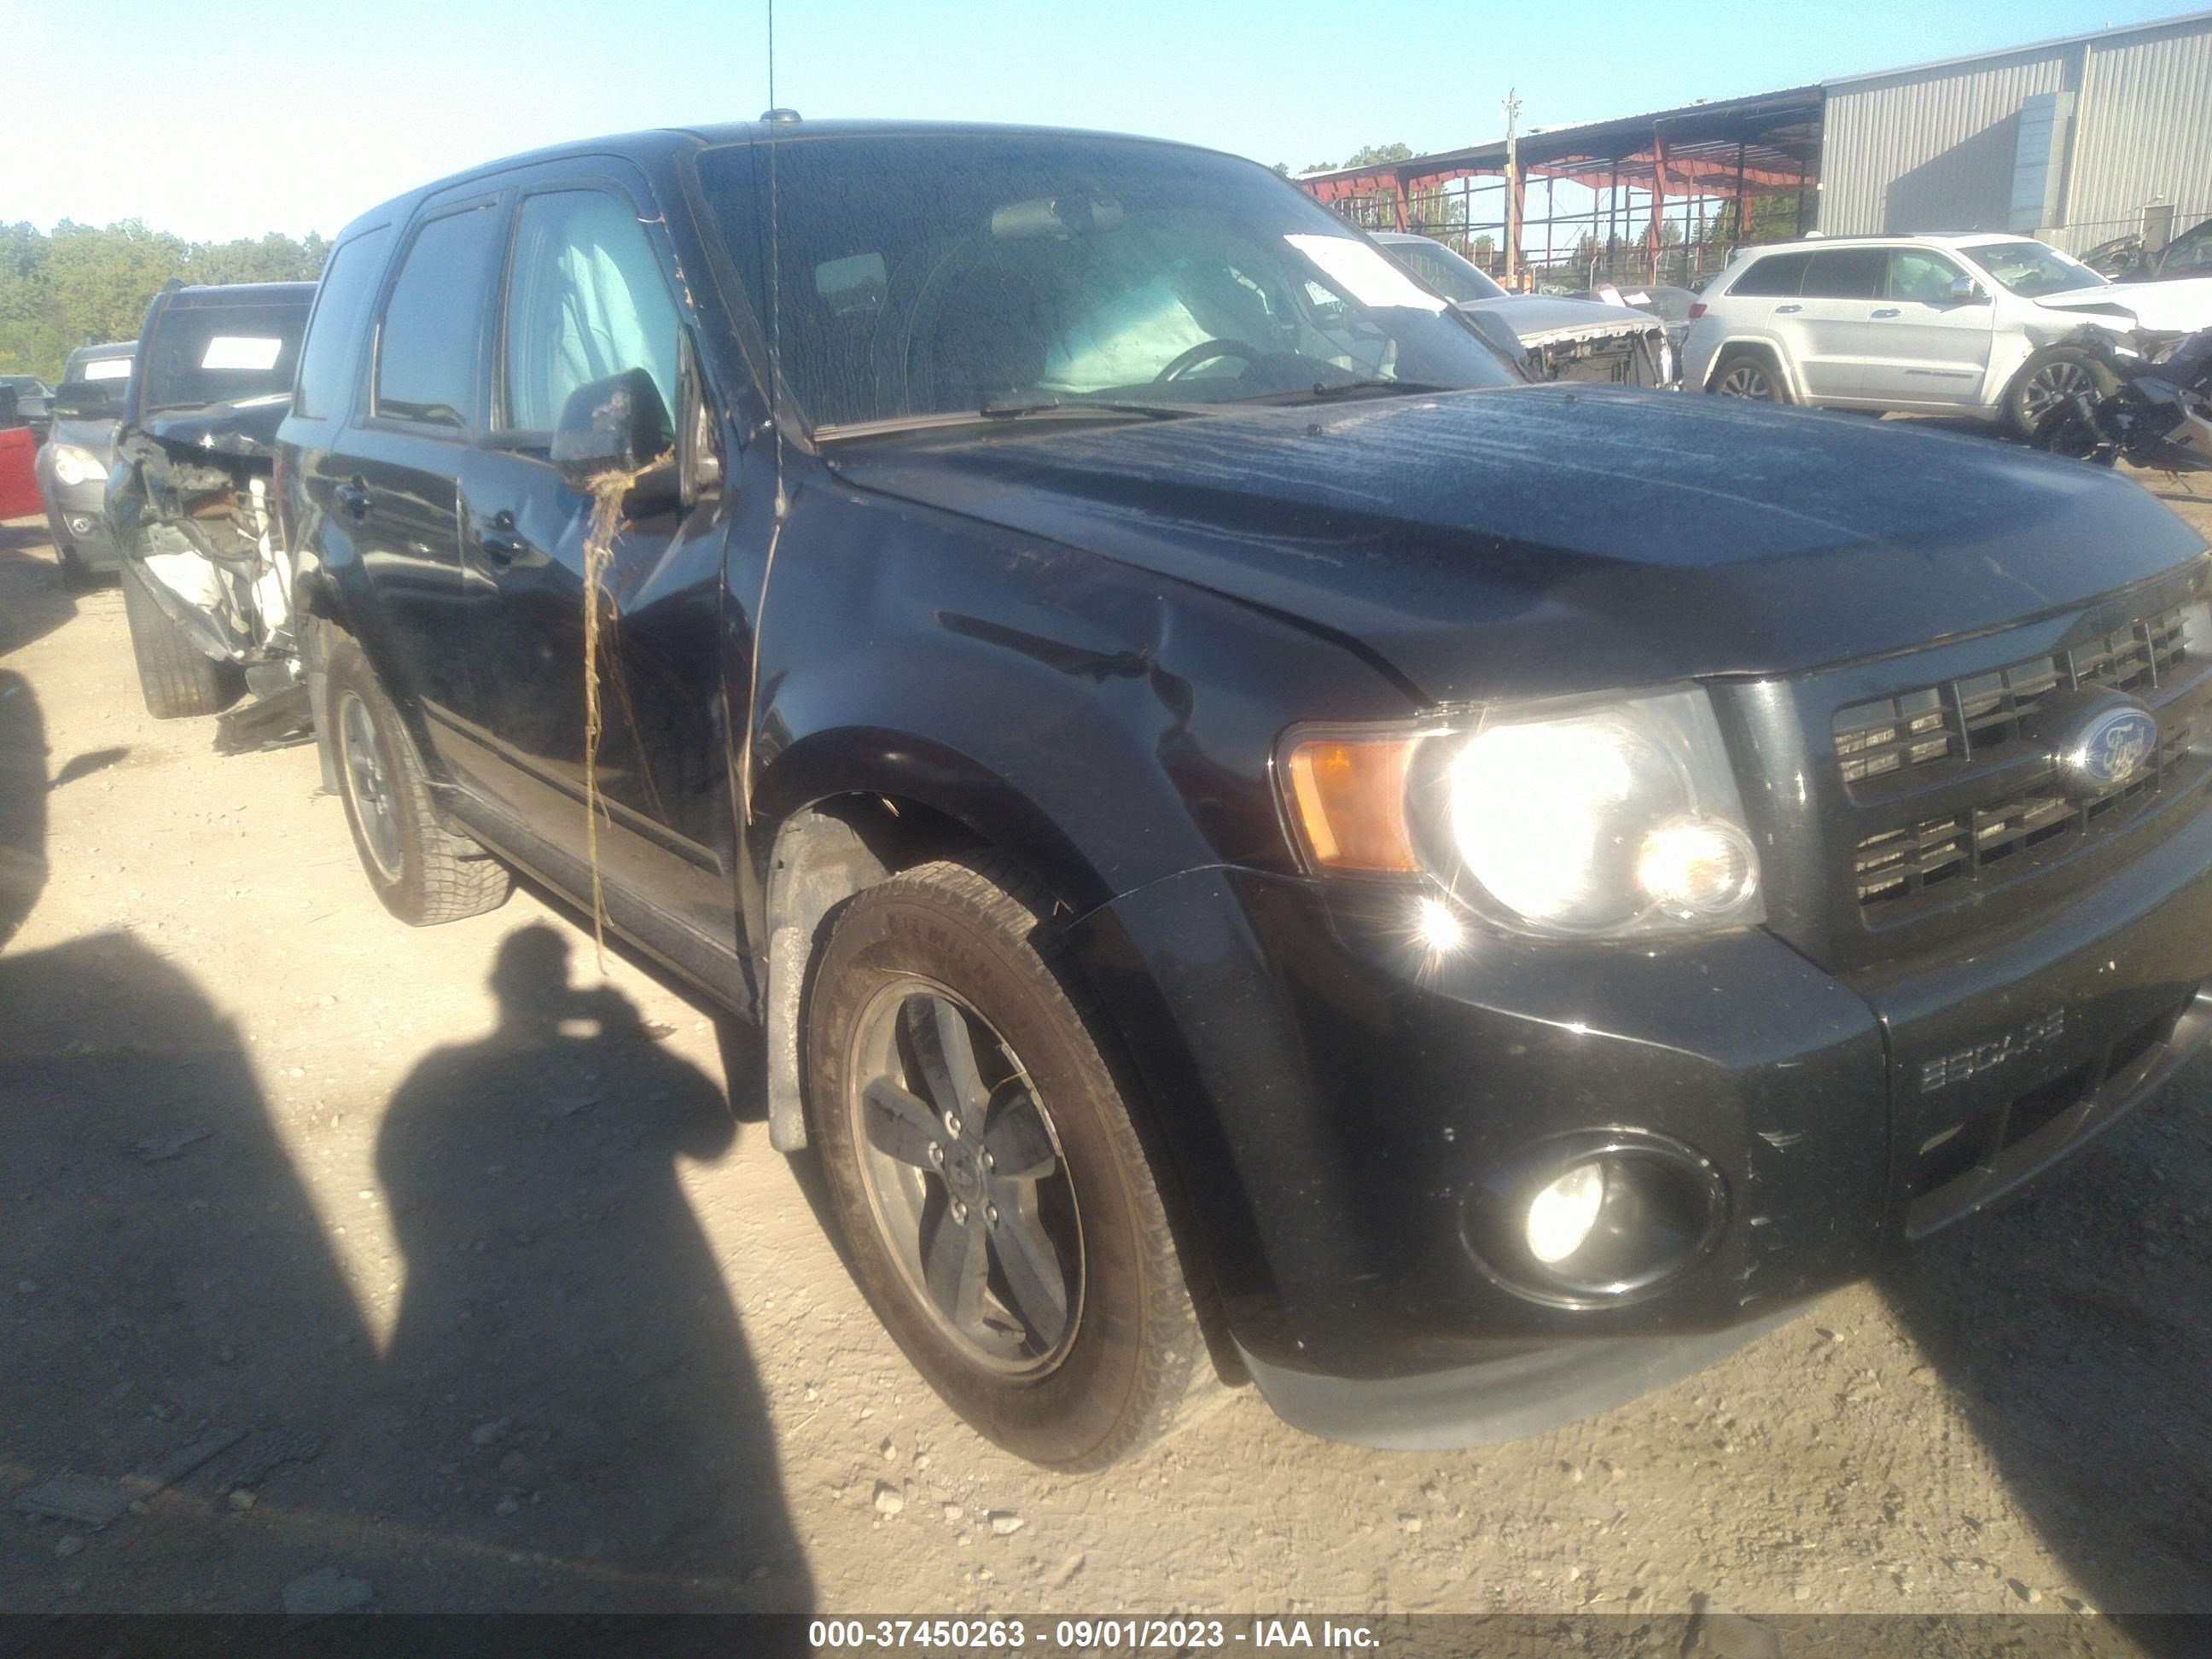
x: 1898, y: 863
x: 1950, y: 789
x: 1976, y: 715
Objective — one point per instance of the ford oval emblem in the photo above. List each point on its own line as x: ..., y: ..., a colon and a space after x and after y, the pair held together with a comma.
x: 2107, y: 750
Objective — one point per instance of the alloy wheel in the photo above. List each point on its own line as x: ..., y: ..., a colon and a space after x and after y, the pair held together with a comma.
x: 965, y: 1178
x: 368, y: 782
x: 2056, y: 382
x: 1746, y: 380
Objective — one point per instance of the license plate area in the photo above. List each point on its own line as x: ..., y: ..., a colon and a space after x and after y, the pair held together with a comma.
x: 2022, y: 1120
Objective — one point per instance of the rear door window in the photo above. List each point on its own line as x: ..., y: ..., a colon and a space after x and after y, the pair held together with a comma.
x: 430, y: 344
x: 342, y: 306
x: 585, y: 300
x: 1775, y: 274
x: 1847, y: 273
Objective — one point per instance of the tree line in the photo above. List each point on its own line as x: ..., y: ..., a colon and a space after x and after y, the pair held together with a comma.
x: 82, y: 284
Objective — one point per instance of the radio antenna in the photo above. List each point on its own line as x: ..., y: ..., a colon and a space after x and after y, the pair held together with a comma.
x: 782, y: 503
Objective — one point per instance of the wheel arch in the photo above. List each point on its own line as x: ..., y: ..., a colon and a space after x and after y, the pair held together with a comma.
x: 843, y: 810
x: 1776, y: 359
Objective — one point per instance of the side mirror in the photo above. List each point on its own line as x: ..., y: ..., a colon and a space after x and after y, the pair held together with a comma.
x: 619, y: 425
x: 1964, y: 291
x: 86, y: 400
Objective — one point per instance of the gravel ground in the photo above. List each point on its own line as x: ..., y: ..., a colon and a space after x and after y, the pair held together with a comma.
x: 515, y: 1312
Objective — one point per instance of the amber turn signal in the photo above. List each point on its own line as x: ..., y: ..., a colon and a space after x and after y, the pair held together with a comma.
x: 1348, y: 798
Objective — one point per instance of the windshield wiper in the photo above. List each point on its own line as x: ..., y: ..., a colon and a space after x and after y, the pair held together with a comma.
x: 997, y: 411
x: 1324, y: 392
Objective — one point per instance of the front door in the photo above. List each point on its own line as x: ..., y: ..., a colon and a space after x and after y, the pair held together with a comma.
x: 1926, y: 349
x: 586, y: 298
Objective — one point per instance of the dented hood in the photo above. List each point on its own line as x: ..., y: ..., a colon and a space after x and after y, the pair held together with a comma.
x: 1539, y: 319
x: 2182, y: 305
x: 245, y: 430
x: 1562, y: 538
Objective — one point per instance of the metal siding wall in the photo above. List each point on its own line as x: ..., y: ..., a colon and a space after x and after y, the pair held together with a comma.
x: 1932, y: 151
x: 2146, y: 131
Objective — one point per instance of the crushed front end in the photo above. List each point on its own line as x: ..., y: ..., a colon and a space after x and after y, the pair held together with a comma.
x: 190, y: 500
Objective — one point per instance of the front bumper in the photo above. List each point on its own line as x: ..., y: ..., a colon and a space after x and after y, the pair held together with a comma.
x: 1335, y: 1100
x: 77, y: 518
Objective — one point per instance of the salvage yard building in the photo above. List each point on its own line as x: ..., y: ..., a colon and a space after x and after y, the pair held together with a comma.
x: 2077, y: 141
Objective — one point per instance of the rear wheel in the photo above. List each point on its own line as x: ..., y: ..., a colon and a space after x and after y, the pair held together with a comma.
x: 422, y: 873
x: 996, y: 1199
x: 176, y: 678
x: 2055, y: 375
x: 1749, y: 375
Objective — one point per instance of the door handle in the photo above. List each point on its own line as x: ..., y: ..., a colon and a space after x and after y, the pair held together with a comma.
x: 1779, y: 310
x: 497, y: 541
x: 353, y: 496
x: 1886, y: 311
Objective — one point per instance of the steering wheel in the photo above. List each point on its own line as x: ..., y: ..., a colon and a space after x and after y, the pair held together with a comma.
x: 1203, y: 352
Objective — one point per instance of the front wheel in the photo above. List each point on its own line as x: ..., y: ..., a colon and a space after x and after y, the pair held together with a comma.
x: 993, y: 1192
x: 176, y: 678
x: 2052, y: 378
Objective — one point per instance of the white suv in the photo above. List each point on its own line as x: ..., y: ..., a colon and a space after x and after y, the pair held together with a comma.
x: 1974, y: 326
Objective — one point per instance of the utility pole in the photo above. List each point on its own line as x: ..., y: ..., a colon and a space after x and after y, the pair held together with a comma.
x: 1512, y: 188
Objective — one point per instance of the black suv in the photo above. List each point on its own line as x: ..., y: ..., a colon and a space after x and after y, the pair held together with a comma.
x: 1258, y: 842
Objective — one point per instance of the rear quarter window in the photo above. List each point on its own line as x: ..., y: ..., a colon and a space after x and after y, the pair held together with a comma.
x: 337, y: 322
x: 1770, y: 274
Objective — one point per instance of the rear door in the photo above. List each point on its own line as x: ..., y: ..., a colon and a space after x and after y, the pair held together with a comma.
x: 1924, y: 348
x: 396, y: 483
x: 1832, y: 320
x: 588, y: 295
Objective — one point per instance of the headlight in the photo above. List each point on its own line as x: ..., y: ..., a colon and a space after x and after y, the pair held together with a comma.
x: 74, y: 466
x: 1585, y: 818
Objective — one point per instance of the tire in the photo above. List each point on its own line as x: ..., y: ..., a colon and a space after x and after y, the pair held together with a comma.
x: 422, y: 872
x: 1117, y: 1363
x: 175, y: 677
x: 76, y: 577
x: 1748, y: 374
x: 2064, y: 432
x: 2054, y: 372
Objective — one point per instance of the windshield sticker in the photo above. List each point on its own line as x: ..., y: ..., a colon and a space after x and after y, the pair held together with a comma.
x: 108, y: 369
x: 242, y: 351
x: 1363, y: 273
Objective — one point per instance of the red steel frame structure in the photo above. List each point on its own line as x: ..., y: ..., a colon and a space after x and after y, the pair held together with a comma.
x: 1669, y: 193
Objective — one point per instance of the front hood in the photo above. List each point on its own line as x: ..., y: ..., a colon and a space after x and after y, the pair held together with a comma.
x: 1541, y: 318
x: 2182, y: 305
x: 1555, y: 539
x: 246, y: 430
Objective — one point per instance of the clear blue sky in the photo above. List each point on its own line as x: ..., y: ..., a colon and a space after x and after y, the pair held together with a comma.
x: 221, y: 120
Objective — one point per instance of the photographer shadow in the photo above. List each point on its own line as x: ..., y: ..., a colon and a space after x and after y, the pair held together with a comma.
x: 565, y: 1334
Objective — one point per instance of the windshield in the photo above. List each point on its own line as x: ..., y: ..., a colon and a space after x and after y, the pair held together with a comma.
x: 1449, y: 273
x: 2032, y: 269
x: 927, y: 276
x: 205, y: 355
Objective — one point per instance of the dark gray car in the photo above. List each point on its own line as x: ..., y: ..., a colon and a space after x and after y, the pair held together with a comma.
x: 1565, y: 339
x: 73, y: 464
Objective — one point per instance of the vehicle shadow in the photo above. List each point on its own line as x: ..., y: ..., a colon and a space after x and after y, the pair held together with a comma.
x: 566, y: 1418
x: 565, y: 1336
x: 2070, y: 1328
x: 33, y: 600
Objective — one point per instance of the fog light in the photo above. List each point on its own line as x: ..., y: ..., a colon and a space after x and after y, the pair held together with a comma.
x: 79, y: 524
x: 1596, y: 1218
x: 1561, y: 1216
